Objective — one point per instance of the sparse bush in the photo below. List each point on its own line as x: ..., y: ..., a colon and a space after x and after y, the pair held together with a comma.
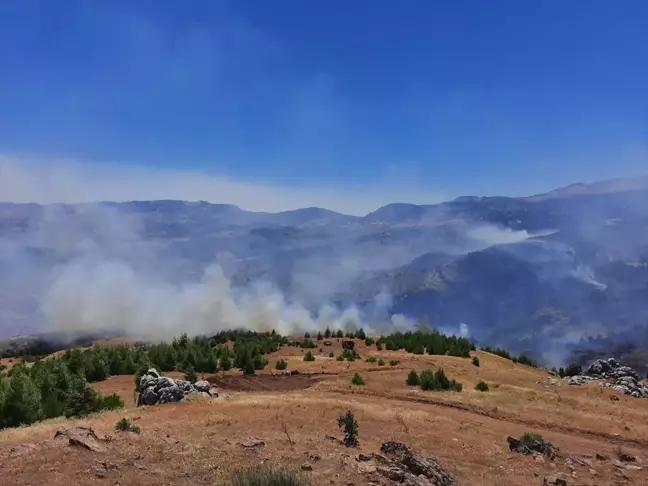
x: 371, y: 359
x: 265, y: 475
x: 124, y: 425
x: 475, y: 361
x: 340, y: 358
x: 526, y: 360
x: 394, y: 362
x: 358, y: 380
x: 307, y: 344
x: 248, y: 368
x: 381, y: 362
x: 369, y: 341
x: 112, y: 402
x: 437, y: 380
x: 309, y: 356
x: 413, y: 379
x: 481, y: 386
x: 350, y: 425
x: 531, y: 438
x: 332, y: 355
x: 190, y: 374
x: 349, y: 354
x: 281, y: 364
x: 573, y: 370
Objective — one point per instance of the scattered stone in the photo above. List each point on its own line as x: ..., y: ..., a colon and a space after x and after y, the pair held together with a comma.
x: 528, y: 447
x: 405, y: 467
x: 601, y: 457
x: 554, y: 481
x: 623, y: 457
x: 101, y: 469
x: 306, y: 467
x: 252, y: 442
x: 83, y: 437
x: 156, y: 389
x: 614, y: 398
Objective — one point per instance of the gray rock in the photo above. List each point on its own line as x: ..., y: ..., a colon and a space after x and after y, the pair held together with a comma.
x: 163, y: 383
x: 171, y: 394
x: 202, y: 386
x: 213, y: 392
x: 148, y: 397
x: 153, y: 372
x: 147, y: 381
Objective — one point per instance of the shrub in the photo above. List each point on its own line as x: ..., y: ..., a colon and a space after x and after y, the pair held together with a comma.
x: 561, y: 372
x: 124, y: 425
x: 413, y: 379
x: 475, y: 361
x: 526, y: 360
x: 307, y: 344
x: 319, y: 336
x: 379, y: 346
x: 481, y: 386
x: 349, y: 354
x: 190, y: 374
x: 265, y: 475
x: 360, y: 334
x: 340, y: 358
x: 281, y: 364
x: 394, y: 362
x: 573, y: 370
x: 358, y: 380
x: 437, y: 380
x: 350, y: 425
x: 369, y: 341
x: 112, y: 402
x: 339, y: 334
x: 530, y: 438
x: 248, y: 368
x: 381, y: 362
x: 371, y: 359
x: 327, y: 333
x: 307, y: 335
x: 309, y: 356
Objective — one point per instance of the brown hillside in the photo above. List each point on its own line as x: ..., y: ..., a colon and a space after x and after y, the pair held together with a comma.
x: 200, y: 442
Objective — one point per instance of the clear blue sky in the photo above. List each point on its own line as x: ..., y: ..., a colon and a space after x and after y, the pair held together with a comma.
x: 474, y: 97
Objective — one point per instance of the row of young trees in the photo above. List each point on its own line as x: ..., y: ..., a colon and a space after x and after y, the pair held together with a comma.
x: 48, y: 389
x: 432, y: 342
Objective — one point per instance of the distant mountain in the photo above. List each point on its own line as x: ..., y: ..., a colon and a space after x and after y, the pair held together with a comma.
x: 535, y: 273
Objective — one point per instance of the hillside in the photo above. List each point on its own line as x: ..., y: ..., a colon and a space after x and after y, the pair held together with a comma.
x: 294, y: 420
x: 537, y: 274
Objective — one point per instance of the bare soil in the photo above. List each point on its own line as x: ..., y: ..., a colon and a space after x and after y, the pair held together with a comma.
x: 265, y: 382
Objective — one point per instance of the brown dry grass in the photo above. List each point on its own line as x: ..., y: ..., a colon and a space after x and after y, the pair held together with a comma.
x: 199, y: 443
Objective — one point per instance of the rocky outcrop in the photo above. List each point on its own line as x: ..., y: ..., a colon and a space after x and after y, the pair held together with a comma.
x: 611, y: 374
x: 401, y: 465
x: 157, y: 390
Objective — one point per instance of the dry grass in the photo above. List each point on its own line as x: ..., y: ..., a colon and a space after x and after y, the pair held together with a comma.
x: 200, y: 443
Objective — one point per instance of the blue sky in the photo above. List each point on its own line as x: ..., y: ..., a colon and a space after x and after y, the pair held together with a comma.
x: 339, y: 100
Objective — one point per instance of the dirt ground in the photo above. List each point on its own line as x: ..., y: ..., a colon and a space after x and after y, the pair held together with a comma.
x: 296, y: 418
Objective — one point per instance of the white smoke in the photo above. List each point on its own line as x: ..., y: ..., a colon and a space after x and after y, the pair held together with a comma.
x: 91, y: 294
